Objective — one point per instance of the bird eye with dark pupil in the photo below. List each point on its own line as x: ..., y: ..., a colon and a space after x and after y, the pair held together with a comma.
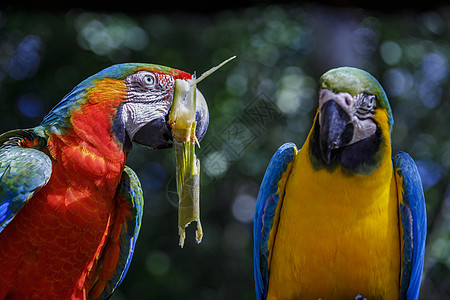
x: 149, y: 80
x: 367, y: 101
x: 370, y: 101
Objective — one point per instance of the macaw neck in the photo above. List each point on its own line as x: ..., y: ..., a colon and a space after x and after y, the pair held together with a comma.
x: 361, y: 158
x: 87, y: 133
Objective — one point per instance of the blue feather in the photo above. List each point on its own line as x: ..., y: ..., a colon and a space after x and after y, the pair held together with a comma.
x: 130, y: 189
x: 414, y: 224
x: 23, y: 171
x: 266, y: 206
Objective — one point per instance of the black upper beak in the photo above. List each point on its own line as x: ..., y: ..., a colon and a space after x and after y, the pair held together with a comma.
x: 335, y: 129
x: 158, y: 135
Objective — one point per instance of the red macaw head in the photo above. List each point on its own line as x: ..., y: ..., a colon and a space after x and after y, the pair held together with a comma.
x: 137, y: 97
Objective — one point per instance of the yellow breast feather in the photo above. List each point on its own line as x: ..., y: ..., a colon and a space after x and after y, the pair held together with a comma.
x: 336, y: 228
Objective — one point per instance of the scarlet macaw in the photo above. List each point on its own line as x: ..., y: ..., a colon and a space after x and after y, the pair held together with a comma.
x: 70, y: 210
x: 340, y: 218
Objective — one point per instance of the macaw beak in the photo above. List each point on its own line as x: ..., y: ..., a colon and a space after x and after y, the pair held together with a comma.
x: 158, y: 134
x: 336, y: 130
x: 155, y: 135
x: 201, y: 116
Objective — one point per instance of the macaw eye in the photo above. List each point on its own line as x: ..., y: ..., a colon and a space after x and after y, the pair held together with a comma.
x: 149, y: 80
x: 370, y: 102
x: 365, y: 101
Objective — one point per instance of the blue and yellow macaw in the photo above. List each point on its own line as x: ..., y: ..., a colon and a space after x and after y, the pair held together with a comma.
x: 341, y: 219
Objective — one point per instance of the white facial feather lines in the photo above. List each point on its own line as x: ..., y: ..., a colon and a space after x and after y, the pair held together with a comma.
x: 360, y: 108
x: 137, y: 114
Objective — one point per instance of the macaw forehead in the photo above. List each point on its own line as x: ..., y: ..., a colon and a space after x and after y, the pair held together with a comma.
x: 355, y: 81
x: 72, y: 101
x: 121, y: 71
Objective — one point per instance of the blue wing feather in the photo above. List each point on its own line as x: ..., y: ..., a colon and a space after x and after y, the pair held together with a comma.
x: 266, y: 206
x: 130, y: 189
x: 23, y: 171
x: 413, y: 220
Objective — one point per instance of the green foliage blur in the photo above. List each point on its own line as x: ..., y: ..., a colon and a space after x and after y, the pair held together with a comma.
x: 265, y: 97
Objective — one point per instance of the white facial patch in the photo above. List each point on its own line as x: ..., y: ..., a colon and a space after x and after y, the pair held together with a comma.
x: 149, y: 98
x: 137, y: 114
x: 360, y: 108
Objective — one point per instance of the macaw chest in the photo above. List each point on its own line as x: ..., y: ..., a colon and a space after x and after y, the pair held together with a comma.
x: 59, y: 235
x: 337, y: 237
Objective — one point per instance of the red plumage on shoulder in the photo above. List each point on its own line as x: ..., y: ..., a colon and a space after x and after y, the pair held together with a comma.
x: 65, y: 242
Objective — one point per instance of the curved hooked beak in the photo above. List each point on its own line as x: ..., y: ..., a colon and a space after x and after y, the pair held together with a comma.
x: 201, y: 116
x: 336, y: 130
x: 158, y: 134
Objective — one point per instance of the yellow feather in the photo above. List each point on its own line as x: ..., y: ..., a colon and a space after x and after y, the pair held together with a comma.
x: 338, y: 235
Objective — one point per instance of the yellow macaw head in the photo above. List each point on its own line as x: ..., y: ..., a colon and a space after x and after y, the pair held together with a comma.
x: 353, y: 122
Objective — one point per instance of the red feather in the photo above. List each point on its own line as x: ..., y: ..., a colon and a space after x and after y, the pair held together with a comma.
x: 52, y: 246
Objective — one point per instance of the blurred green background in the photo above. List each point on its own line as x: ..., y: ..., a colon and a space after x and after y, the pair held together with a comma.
x: 265, y: 97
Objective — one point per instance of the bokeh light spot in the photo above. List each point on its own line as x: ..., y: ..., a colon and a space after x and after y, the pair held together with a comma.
x: 244, y: 208
x: 153, y: 176
x: 30, y: 105
x: 26, y: 59
x: 397, y: 81
x: 390, y: 52
x: 158, y: 263
x: 435, y: 66
x: 215, y: 163
x: 430, y: 172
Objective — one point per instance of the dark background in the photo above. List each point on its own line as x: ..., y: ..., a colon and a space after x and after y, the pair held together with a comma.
x: 265, y: 97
